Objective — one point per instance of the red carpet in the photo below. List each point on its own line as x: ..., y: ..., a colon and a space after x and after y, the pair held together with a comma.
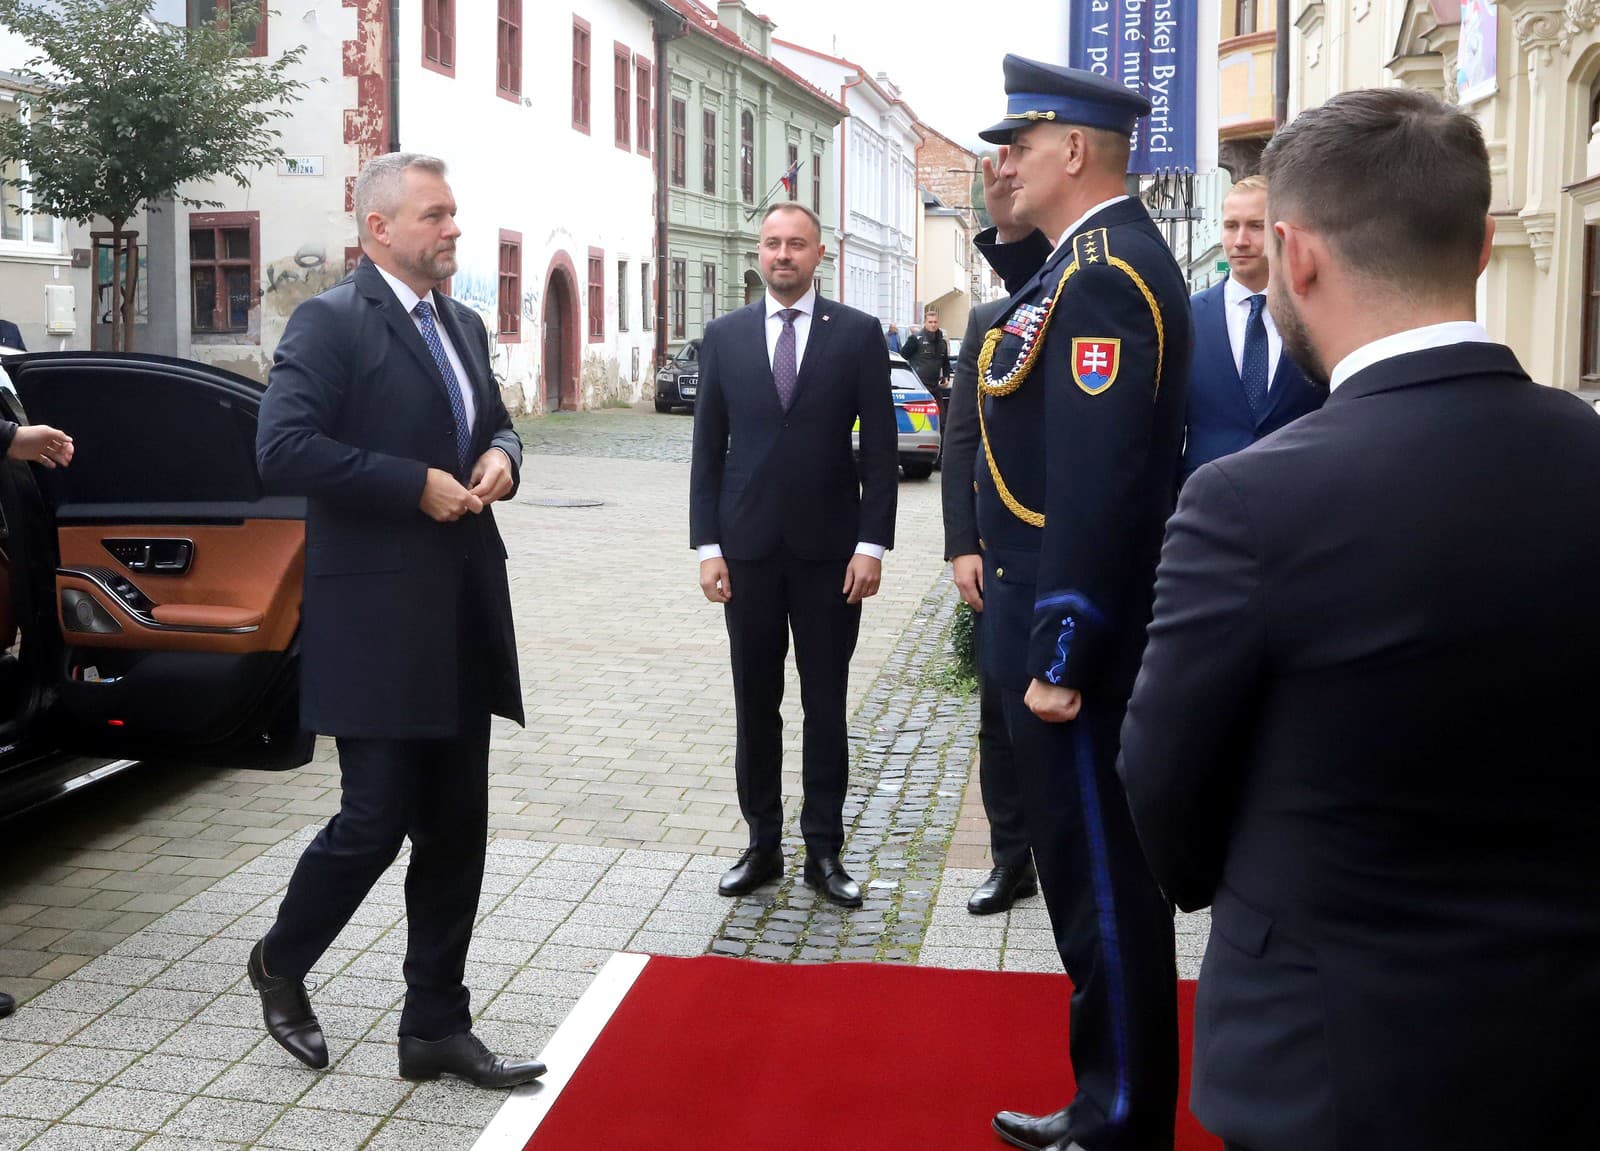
x: 708, y: 1054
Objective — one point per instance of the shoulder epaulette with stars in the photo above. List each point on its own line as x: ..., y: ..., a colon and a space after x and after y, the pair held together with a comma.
x: 1091, y: 247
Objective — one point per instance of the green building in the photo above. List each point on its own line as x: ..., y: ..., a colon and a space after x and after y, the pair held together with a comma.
x: 737, y: 121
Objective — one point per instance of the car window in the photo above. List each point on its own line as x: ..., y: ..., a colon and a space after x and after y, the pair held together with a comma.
x: 904, y: 380
x: 689, y: 354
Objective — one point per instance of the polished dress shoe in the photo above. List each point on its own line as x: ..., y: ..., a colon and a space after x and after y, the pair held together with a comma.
x: 754, y: 868
x: 465, y: 1057
x: 1035, y: 1132
x: 827, y: 875
x: 287, y: 1010
x: 1004, y: 887
x: 7, y: 1005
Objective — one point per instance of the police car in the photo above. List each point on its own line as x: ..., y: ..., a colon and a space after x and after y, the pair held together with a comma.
x: 916, y: 415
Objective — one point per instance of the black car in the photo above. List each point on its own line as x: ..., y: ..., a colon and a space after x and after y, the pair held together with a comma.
x: 677, y: 382
x: 151, y: 602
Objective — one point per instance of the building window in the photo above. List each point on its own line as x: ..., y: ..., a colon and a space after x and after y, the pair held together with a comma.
x: 253, y: 34
x: 708, y: 293
x: 747, y: 156
x: 680, y: 143
x: 597, y: 295
x: 1244, y: 17
x: 439, y: 36
x: 224, y: 268
x: 580, y: 75
x: 642, y: 102
x: 816, y: 183
x: 622, y: 97
x: 17, y: 225
x: 622, y: 295
x: 508, y: 51
x: 510, y: 306
x: 1591, y: 304
x: 708, y: 167
x: 680, y: 296
x: 646, y: 296
x: 794, y: 171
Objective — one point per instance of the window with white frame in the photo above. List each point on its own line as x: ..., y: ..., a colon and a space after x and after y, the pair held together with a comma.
x: 20, y: 229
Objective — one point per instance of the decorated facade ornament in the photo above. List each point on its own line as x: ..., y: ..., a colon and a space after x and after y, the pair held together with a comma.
x: 1538, y: 33
x: 1541, y: 231
x: 1578, y: 20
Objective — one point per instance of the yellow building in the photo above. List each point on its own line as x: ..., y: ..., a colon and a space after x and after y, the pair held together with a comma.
x: 1246, y: 53
x: 1532, y: 70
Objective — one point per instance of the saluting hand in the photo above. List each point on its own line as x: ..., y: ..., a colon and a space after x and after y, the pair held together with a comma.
x: 491, y: 477
x: 861, y: 578
x: 1053, y: 704
x: 445, y: 500
x: 998, y: 193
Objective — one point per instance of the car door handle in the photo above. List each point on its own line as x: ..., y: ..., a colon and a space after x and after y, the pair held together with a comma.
x: 167, y: 556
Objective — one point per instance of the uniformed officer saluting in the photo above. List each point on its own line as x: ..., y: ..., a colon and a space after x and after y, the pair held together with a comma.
x: 1082, y: 387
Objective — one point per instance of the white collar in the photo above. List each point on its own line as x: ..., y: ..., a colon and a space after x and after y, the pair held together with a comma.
x: 1233, y: 292
x: 1402, y: 343
x: 806, y: 303
x: 1083, y: 219
x: 402, y: 292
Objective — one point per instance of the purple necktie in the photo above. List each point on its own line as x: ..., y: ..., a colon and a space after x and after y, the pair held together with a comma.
x: 785, y: 366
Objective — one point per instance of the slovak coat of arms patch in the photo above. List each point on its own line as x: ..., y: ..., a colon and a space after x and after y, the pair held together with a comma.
x: 1095, y: 360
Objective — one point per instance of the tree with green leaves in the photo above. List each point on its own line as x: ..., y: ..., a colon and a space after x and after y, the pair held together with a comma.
x: 124, y: 109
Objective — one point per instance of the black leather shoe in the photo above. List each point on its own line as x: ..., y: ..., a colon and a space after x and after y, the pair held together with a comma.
x: 1034, y: 1132
x: 287, y: 1010
x: 754, y: 868
x: 827, y: 875
x: 465, y: 1057
x: 7, y: 1005
x: 1004, y: 887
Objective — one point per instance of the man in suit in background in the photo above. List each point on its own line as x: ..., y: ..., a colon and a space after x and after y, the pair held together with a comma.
x: 382, y: 412
x: 1363, y: 729
x: 1242, y: 386
x: 1012, y: 876
x: 789, y: 534
x: 11, y: 336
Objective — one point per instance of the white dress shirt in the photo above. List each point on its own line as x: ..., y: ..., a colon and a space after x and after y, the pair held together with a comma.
x: 1081, y: 220
x: 805, y: 305
x: 1402, y: 343
x: 408, y: 300
x: 1237, y: 298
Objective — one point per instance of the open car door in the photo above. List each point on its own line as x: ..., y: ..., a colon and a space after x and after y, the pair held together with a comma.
x: 160, y: 587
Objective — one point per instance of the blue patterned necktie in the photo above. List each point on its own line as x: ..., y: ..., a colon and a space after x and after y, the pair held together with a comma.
x: 785, y: 365
x: 452, y: 386
x: 1254, y: 371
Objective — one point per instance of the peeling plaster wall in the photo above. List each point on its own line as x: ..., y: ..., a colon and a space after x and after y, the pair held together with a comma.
x: 522, y: 167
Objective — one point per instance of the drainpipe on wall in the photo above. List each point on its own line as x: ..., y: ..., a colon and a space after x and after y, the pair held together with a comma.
x: 1280, y: 95
x: 394, y: 76
x: 663, y: 156
x: 844, y: 151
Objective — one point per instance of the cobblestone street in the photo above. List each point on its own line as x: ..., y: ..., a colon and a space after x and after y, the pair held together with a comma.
x: 126, y: 912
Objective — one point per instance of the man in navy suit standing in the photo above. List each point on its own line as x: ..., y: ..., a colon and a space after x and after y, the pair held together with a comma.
x: 1242, y: 386
x: 382, y: 412
x: 791, y: 532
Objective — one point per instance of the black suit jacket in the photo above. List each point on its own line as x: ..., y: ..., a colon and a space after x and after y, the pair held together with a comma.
x: 958, y: 479
x: 1364, y: 733
x: 763, y: 478
x: 354, y: 416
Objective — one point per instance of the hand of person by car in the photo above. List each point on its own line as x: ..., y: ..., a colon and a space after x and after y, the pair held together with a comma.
x: 998, y: 193
x: 861, y: 578
x: 491, y: 476
x: 968, y: 573
x: 445, y: 500
x: 41, y: 444
x: 1052, y: 704
x: 714, y: 581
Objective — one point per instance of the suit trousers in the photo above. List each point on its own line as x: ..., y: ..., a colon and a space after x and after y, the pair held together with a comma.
x: 997, y: 773
x: 1112, y: 927
x: 771, y: 596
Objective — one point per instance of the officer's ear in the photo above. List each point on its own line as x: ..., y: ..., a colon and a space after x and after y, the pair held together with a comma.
x: 1075, y: 151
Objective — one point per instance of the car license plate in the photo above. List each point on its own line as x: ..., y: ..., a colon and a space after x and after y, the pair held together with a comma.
x: 687, y: 385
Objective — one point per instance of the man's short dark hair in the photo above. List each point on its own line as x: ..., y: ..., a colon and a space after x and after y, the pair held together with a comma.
x: 796, y: 206
x: 1396, y: 181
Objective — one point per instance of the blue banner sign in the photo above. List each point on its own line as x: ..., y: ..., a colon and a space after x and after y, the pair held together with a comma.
x: 1149, y: 46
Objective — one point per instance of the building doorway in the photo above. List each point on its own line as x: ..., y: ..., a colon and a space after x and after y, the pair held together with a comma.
x: 754, y: 289
x: 560, y: 349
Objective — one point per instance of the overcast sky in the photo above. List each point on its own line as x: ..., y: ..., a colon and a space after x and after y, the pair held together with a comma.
x: 944, y: 54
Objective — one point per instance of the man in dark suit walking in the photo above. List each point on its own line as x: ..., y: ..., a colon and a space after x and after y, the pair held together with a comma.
x: 1242, y: 386
x: 790, y: 533
x: 382, y: 412
x: 1012, y: 876
x: 1363, y: 730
